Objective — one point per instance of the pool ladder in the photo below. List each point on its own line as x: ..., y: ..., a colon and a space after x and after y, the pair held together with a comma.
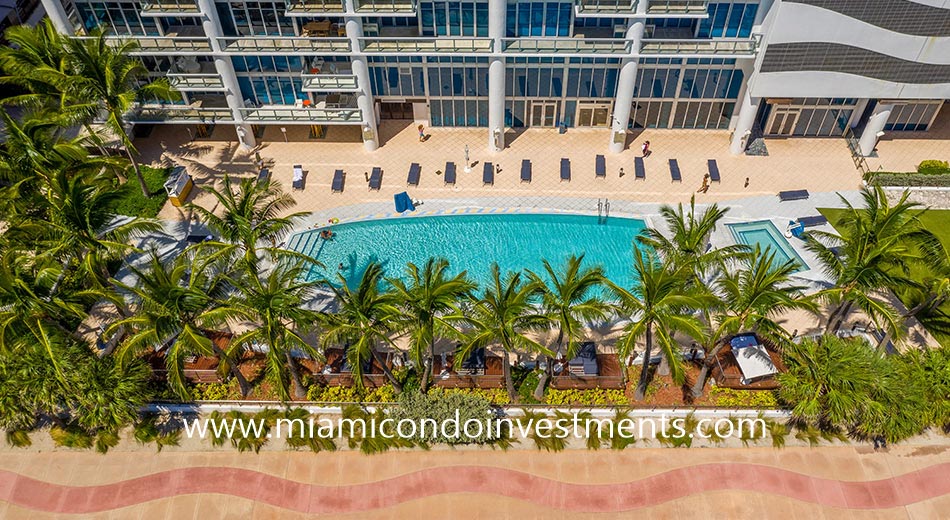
x: 603, y: 211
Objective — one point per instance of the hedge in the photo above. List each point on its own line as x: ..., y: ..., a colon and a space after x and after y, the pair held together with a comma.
x: 910, y: 179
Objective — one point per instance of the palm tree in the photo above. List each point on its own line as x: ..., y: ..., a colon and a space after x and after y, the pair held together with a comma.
x: 104, y: 76
x: 366, y: 317
x: 277, y: 303
x: 504, y: 315
x: 36, y: 61
x: 571, y: 299
x: 178, y: 306
x: 751, y: 297
x: 427, y: 301
x: 871, y: 254
x: 250, y: 213
x: 660, y: 303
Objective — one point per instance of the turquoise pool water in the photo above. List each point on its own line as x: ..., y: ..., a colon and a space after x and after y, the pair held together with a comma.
x: 766, y: 235
x: 472, y: 243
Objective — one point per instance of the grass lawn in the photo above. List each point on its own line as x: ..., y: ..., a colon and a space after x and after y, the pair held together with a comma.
x: 936, y: 221
x: 133, y: 203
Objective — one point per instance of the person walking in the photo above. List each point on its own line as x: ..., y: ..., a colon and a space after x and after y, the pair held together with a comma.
x: 422, y: 133
x: 646, y: 148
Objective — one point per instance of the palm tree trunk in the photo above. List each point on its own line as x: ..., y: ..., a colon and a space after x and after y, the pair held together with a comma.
x: 509, y: 382
x: 233, y: 368
x: 882, y: 345
x: 299, y: 391
x: 645, y: 367
x: 389, y: 374
x: 928, y: 301
x: 549, y: 368
x: 700, y: 383
x: 664, y: 368
x: 138, y: 172
x: 837, y: 317
x: 428, y: 367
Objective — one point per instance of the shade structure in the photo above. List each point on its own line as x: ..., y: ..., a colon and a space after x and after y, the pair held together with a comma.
x: 403, y: 202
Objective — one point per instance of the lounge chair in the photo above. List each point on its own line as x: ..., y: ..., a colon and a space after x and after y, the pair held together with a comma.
x: 713, y: 170
x: 263, y: 177
x: 297, y: 183
x: 525, y: 170
x: 338, y: 179
x: 675, y: 171
x: 376, y: 179
x: 413, y: 179
x: 488, y: 174
x: 449, y: 176
x: 817, y: 220
x: 786, y: 196
x: 640, y: 172
x: 796, y: 229
x: 600, y: 166
x: 565, y: 169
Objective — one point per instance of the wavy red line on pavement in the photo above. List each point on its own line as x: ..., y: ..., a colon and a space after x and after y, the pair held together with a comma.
x: 898, y: 491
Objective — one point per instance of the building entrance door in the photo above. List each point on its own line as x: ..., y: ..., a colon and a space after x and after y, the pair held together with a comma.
x: 544, y: 113
x: 593, y: 114
x: 783, y: 121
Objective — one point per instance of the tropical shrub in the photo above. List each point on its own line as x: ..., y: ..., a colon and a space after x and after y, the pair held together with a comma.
x: 448, y: 410
x: 933, y: 166
x: 730, y: 398
x: 495, y: 396
x: 348, y: 394
x: 215, y: 392
x: 587, y: 397
x: 911, y: 179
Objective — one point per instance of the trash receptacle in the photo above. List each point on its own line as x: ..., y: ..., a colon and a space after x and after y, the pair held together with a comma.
x: 178, y: 186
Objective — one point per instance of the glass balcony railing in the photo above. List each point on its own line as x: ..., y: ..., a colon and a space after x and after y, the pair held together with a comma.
x: 722, y: 47
x: 429, y: 45
x: 592, y: 46
x: 290, y: 114
x: 606, y: 6
x: 329, y: 82
x: 149, y: 45
x: 283, y: 44
x: 194, y: 113
x: 309, y: 7
x: 192, y: 82
x: 695, y: 7
x: 385, y: 6
x: 170, y: 8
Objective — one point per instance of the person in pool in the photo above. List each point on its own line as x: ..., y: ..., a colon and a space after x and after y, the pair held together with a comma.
x: 341, y: 266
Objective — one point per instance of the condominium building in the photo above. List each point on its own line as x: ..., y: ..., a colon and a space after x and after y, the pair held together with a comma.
x: 755, y: 67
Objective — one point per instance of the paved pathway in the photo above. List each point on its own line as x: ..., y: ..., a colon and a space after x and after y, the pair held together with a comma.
x: 843, y: 482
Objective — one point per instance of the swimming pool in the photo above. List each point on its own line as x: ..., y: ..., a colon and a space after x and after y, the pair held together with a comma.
x: 766, y: 235
x: 472, y: 243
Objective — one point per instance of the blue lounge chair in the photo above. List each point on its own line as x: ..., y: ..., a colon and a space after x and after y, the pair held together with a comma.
x: 414, y: 170
x: 640, y: 171
x: 403, y: 202
x: 263, y: 177
x: 449, y: 176
x: 675, y: 171
x: 338, y: 179
x: 565, y: 169
x: 488, y: 174
x: 797, y: 229
x: 817, y: 220
x: 600, y: 166
x: 376, y: 179
x: 785, y: 196
x: 525, y: 170
x: 298, y: 179
x: 713, y: 170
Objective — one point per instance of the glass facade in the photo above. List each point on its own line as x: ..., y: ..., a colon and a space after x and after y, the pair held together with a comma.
x: 728, y: 20
x: 692, y: 93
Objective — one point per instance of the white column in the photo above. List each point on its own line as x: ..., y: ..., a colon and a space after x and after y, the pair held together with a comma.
x: 747, y: 66
x: 748, y: 108
x: 761, y: 12
x: 858, y: 112
x: 364, y: 98
x: 57, y: 14
x: 626, y: 84
x: 874, y: 128
x: 225, y: 69
x: 496, y: 76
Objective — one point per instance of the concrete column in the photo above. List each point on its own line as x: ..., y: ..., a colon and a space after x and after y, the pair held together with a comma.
x: 747, y: 66
x: 858, y: 112
x: 364, y: 98
x: 760, y: 14
x: 496, y: 76
x: 626, y: 84
x: 225, y: 69
x: 748, y: 108
x: 874, y: 128
x: 57, y: 14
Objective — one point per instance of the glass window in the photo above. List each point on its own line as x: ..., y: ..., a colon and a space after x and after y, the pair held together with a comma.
x: 468, y: 19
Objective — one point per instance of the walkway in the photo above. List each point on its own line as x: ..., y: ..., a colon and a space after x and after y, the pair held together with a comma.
x: 833, y: 482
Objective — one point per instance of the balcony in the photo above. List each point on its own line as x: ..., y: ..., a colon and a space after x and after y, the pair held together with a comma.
x: 162, y: 45
x: 387, y: 7
x: 190, y: 75
x: 426, y: 45
x: 283, y: 45
x: 572, y: 46
x: 673, y: 7
x: 720, y: 48
x: 170, y: 8
x: 312, y: 7
x: 343, y: 81
x: 605, y: 7
x: 197, y: 112
x: 321, y: 113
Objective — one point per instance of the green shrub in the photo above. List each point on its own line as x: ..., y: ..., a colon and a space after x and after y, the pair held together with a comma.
x: 444, y: 408
x: 214, y: 392
x: 590, y: 397
x: 910, y: 179
x: 729, y: 398
x: 133, y: 203
x: 933, y: 167
x: 348, y: 394
x: 528, y: 384
x: 496, y: 396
